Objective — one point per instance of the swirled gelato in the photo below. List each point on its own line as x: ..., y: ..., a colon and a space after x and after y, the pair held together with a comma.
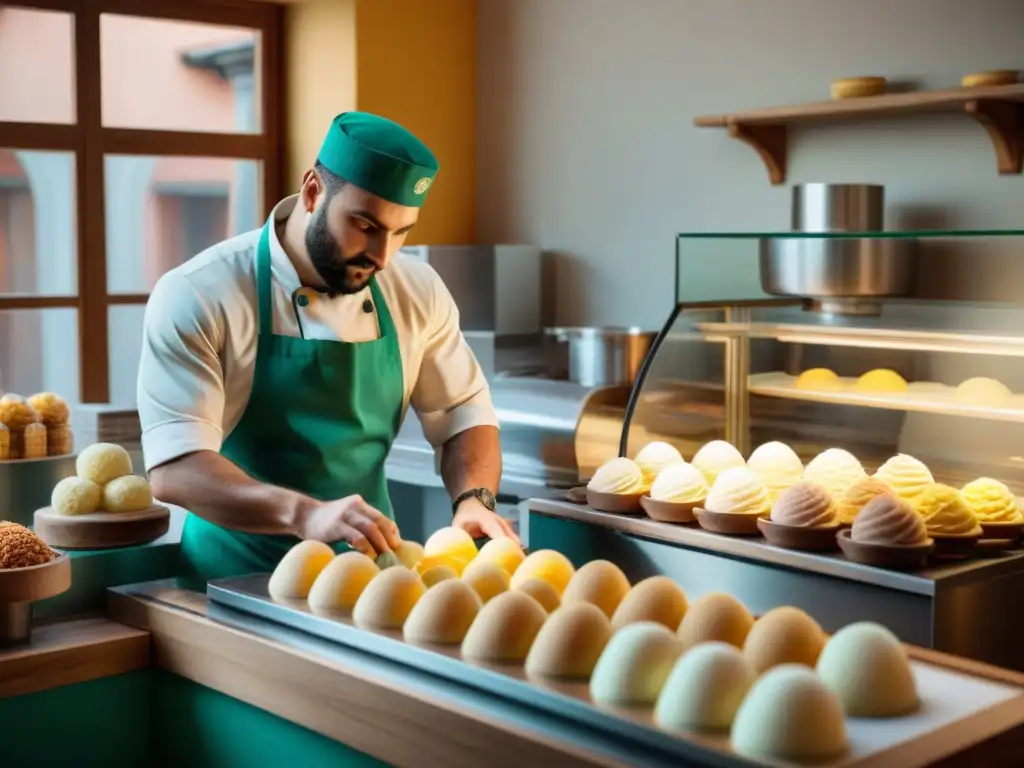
x: 777, y: 465
x: 991, y: 501
x: 654, y: 457
x: 715, y: 457
x: 945, y: 513
x: 805, y: 505
x: 835, y: 470
x: 619, y: 475
x: 854, y: 498
x: 906, y: 475
x: 890, y: 521
x: 738, y: 491
x: 982, y: 391
x: 680, y: 483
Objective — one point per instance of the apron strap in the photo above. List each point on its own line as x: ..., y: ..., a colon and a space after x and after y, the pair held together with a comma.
x: 264, y: 308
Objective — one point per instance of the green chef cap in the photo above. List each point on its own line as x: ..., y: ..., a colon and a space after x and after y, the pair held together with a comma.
x: 380, y: 156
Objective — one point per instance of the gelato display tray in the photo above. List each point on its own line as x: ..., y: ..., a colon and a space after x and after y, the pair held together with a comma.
x: 957, y: 712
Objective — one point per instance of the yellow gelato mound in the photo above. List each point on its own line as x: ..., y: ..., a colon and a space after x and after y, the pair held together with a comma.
x: 542, y: 592
x: 503, y: 552
x: 705, y: 689
x: 635, y: 664
x: 777, y: 465
x: 130, y: 493
x: 547, y: 565
x: 790, y: 715
x: 805, y: 505
x: 982, y: 391
x: 738, y: 491
x: 436, y: 574
x: 338, y: 586
x: 888, y: 520
x: 443, y: 615
x: 715, y: 457
x: 784, y: 635
x: 654, y: 457
x: 75, y: 496
x: 857, y: 496
x: 103, y: 462
x: 680, y: 483
x: 817, y: 378
x: 450, y: 542
x: 657, y: 599
x: 835, y: 470
x: 599, y: 582
x: 388, y: 599
x: 868, y: 669
x: 882, y: 380
x: 488, y: 580
x: 570, y: 643
x: 992, y: 501
x: 945, y: 513
x: 716, y: 617
x: 294, y: 575
x: 619, y: 475
x: 504, y: 629
x: 906, y: 475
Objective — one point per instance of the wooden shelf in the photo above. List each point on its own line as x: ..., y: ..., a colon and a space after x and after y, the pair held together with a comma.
x: 999, y: 109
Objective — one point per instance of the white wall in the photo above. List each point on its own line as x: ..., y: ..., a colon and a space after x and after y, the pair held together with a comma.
x: 587, y: 148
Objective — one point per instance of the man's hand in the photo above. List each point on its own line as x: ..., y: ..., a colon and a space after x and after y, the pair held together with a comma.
x: 477, y: 520
x: 354, y: 521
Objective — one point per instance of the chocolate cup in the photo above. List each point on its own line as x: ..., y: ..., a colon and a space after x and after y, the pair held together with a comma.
x: 1010, y: 532
x: 615, y: 503
x: 669, y: 511
x: 727, y: 523
x: 821, y: 539
x: 897, y: 558
x: 954, y: 547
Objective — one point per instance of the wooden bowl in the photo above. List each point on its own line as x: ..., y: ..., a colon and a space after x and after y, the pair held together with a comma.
x: 800, y: 537
x: 954, y: 547
x: 101, y: 530
x: 1010, y: 532
x: 615, y: 503
x: 726, y: 523
x: 898, y: 558
x: 669, y: 511
x: 36, y: 582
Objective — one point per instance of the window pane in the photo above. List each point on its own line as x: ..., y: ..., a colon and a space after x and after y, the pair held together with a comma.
x: 124, y: 334
x: 178, y: 75
x: 39, y: 351
x: 38, y: 222
x: 37, y: 80
x: 162, y: 211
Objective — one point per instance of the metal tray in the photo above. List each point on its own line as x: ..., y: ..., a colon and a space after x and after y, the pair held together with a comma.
x: 957, y: 710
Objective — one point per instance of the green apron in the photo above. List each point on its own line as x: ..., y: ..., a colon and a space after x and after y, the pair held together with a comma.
x: 320, y: 420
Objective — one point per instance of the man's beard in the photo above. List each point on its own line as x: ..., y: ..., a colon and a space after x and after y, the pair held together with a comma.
x: 327, y: 259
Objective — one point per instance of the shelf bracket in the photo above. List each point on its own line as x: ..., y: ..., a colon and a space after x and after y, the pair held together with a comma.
x: 1004, y: 123
x: 770, y: 142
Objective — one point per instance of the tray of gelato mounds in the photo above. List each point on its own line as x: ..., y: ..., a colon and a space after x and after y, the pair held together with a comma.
x: 897, y: 517
x: 699, y: 682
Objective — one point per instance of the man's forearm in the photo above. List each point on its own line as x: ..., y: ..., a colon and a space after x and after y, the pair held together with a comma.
x: 471, y: 459
x: 214, y: 488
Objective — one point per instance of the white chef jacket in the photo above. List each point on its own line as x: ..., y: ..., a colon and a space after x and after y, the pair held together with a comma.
x: 201, y: 330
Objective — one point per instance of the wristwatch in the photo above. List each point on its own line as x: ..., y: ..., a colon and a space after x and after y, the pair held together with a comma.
x: 483, y: 495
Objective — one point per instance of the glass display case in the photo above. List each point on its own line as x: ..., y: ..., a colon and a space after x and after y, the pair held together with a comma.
x: 876, y: 342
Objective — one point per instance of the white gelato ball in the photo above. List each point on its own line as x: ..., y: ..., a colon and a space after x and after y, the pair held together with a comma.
x: 130, y: 493
x: 103, y: 462
x: 75, y: 496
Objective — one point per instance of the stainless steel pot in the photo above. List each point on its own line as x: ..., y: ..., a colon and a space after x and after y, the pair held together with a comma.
x: 600, y: 357
x: 838, y: 207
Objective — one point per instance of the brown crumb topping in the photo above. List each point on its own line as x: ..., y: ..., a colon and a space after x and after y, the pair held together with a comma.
x: 20, y: 548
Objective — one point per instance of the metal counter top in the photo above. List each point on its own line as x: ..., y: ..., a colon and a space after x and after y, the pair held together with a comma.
x: 928, y: 581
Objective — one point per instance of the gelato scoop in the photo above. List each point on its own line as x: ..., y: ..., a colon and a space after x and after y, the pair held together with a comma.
x: 945, y: 513
x: 854, y: 498
x: 619, y: 475
x: 680, y: 483
x: 777, y: 465
x: 982, y: 391
x: 905, y: 475
x: 654, y: 457
x: 817, y: 378
x: 882, y: 380
x: 715, y: 457
x: 805, y: 505
x: 835, y: 470
x: 738, y: 491
x: 890, y: 521
x: 991, y: 501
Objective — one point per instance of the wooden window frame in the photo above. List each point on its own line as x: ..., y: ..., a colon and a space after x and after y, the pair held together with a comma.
x: 90, y: 141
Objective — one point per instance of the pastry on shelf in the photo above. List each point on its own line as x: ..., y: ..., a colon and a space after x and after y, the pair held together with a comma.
x: 906, y: 476
x: 20, y: 548
x: 569, y: 643
x: 705, y: 689
x: 948, y: 520
x: 599, y: 582
x: 676, y: 491
x: 616, y: 486
x: 887, y: 533
x: 547, y: 565
x: 818, y: 379
x: 451, y: 546
x: 715, y: 457
x: 16, y: 415
x: 443, y: 615
x: 783, y: 635
x: 504, y: 629
x: 982, y: 391
x: 388, y: 599
x: 294, y: 575
x: 989, y: 78
x: 504, y: 552
x: 804, y: 517
x: 541, y: 591
x: 734, y: 503
x: 76, y: 496
x: 103, y: 462
x: 657, y: 599
x: 54, y: 413
x: 777, y: 465
x: 435, y: 574
x: 653, y: 458
x: 882, y: 381
x: 339, y: 584
x: 487, y: 579
x: 857, y: 87
x: 835, y: 470
x: 635, y: 664
x: 996, y: 508
x: 716, y: 617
